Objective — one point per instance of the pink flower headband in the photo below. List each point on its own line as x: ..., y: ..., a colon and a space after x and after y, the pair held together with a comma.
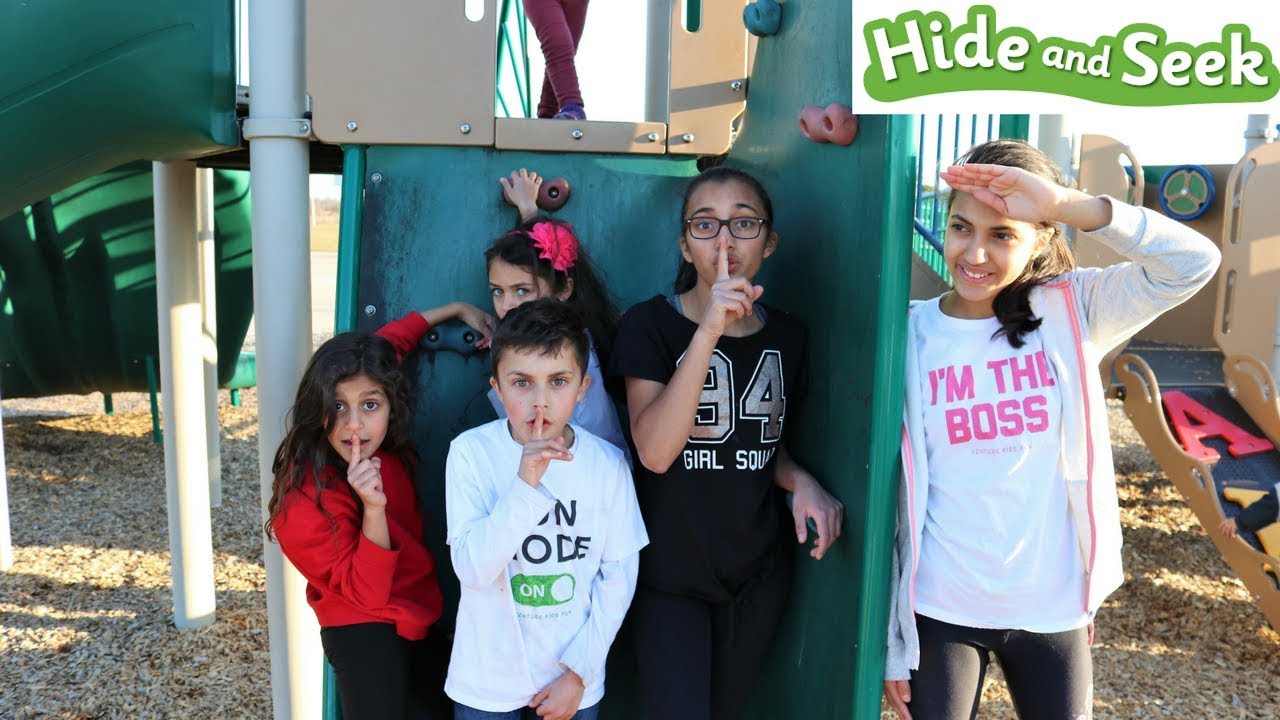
x: 556, y: 243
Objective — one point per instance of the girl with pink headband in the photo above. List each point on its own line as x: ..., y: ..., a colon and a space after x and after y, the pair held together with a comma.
x: 541, y: 257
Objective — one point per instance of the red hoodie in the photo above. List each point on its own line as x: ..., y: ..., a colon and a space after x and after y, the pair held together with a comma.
x: 350, y: 579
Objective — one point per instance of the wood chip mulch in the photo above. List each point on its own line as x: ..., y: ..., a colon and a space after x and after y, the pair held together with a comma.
x: 85, y: 613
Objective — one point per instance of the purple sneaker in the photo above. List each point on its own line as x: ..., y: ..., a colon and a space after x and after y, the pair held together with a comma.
x: 571, y: 111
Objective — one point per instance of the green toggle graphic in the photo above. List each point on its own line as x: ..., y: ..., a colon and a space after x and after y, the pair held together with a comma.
x: 542, y: 590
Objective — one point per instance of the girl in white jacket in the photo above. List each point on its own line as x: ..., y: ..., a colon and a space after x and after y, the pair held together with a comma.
x: 1008, y: 533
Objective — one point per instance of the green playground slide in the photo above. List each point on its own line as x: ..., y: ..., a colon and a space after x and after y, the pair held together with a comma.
x: 89, y: 86
x: 78, y: 285
x: 89, y: 93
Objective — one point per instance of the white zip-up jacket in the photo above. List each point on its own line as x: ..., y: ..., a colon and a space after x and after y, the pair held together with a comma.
x: 1085, y: 313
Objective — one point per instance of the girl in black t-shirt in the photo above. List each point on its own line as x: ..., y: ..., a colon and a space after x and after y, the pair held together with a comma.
x: 709, y: 374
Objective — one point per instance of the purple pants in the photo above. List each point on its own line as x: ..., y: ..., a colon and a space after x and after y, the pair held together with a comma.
x: 558, y: 24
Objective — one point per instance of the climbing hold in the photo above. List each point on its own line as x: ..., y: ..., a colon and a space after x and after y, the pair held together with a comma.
x: 811, y: 123
x: 835, y: 123
x: 553, y: 194
x: 1186, y: 192
x: 762, y: 17
x: 840, y: 124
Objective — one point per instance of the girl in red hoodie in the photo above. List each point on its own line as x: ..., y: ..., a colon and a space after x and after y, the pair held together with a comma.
x: 345, y: 512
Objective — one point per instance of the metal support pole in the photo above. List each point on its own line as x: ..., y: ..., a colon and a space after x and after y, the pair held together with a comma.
x: 108, y: 407
x: 208, y: 263
x: 657, y: 71
x: 1055, y: 140
x: 350, y: 225
x: 182, y: 377
x: 278, y: 135
x: 1259, y: 132
x: 6, y: 539
x: 153, y: 391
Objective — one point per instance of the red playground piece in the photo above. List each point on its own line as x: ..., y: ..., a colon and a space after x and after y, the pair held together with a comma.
x: 1194, y: 422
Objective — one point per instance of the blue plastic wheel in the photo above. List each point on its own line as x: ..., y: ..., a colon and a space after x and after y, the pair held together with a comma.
x: 1186, y: 192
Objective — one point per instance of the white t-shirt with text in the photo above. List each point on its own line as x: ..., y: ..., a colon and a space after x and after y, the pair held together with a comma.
x: 547, y: 574
x: 999, y: 548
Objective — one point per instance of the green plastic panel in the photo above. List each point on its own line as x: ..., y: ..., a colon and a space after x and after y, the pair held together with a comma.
x: 89, y: 86
x: 426, y: 225
x: 844, y: 217
x: 843, y: 264
x: 78, y: 287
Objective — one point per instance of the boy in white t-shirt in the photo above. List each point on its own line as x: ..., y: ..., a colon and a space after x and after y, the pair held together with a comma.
x: 544, y: 533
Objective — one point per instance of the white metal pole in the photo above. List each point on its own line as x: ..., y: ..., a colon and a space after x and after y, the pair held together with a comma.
x: 208, y: 260
x: 6, y: 540
x: 1055, y: 140
x: 657, y: 71
x: 1258, y: 132
x: 182, y: 390
x: 281, y: 299
x: 1275, y: 351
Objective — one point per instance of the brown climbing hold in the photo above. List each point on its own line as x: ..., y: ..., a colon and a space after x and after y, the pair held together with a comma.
x: 553, y: 194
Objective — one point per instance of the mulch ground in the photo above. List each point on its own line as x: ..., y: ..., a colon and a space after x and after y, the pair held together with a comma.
x: 85, y: 613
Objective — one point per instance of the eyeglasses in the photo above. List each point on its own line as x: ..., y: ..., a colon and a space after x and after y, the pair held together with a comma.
x: 743, y: 228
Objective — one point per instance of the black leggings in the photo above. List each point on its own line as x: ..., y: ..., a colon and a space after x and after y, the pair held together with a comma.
x: 381, y: 675
x: 699, y: 660
x: 1050, y: 675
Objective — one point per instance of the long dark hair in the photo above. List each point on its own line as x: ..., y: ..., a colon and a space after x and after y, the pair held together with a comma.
x: 590, y: 297
x: 1012, y: 305
x: 305, y: 452
x: 687, y: 274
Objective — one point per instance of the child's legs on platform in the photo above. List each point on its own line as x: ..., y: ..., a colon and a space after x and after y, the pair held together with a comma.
x: 559, y: 25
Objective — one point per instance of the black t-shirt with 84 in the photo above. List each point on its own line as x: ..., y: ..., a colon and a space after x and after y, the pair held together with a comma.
x: 715, y: 517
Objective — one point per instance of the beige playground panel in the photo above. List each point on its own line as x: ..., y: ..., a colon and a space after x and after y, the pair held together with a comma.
x: 1250, y: 383
x: 1102, y: 174
x: 589, y: 136
x: 419, y: 72
x: 1249, y: 280
x: 406, y: 72
x: 708, y: 78
x: 1191, y: 323
x: 1194, y: 479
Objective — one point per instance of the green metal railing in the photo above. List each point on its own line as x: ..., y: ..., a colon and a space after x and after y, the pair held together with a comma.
x: 513, y: 96
x: 952, y: 136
